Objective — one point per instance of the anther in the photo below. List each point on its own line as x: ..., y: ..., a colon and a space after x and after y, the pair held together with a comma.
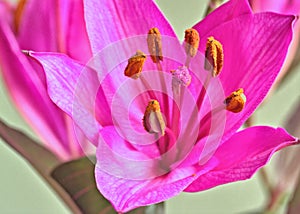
x: 181, y: 77
x: 214, y: 56
x: 236, y: 101
x: 191, y: 40
x: 153, y: 121
x: 135, y: 65
x: 155, y: 45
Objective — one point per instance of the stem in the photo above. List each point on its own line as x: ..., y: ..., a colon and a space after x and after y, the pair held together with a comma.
x: 278, y: 199
x: 267, y: 183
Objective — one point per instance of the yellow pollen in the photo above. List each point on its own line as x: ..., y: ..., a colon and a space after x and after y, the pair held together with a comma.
x: 191, y: 40
x: 236, y: 101
x: 18, y: 13
x: 135, y: 65
x: 214, y: 56
x: 155, y: 45
x: 153, y: 121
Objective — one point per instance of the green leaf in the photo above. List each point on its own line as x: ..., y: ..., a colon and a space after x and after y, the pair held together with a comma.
x: 77, y: 178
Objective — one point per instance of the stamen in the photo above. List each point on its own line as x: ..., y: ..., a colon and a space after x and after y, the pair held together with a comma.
x: 155, y: 49
x: 236, y: 101
x: 214, y: 56
x: 153, y: 120
x: 135, y: 65
x: 192, y: 40
x: 155, y: 45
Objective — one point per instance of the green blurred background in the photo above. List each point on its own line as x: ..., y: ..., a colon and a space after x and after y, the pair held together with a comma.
x: 23, y: 191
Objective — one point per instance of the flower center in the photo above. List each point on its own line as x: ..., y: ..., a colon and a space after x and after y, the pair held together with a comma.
x: 135, y: 65
x: 214, y: 56
x: 235, y: 102
x: 153, y: 120
x: 155, y: 45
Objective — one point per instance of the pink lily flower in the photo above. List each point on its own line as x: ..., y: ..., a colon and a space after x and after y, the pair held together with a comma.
x: 283, y: 7
x: 157, y: 132
x: 56, y: 26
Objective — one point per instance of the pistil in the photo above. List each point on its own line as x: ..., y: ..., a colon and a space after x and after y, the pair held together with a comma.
x: 181, y: 78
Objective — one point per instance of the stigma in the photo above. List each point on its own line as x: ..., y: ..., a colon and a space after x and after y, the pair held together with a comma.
x: 155, y: 45
x: 191, y: 39
x: 135, y: 65
x: 235, y: 102
x: 214, y: 56
x: 181, y: 77
x: 153, y: 121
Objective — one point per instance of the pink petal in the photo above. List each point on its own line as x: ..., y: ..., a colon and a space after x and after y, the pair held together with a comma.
x: 120, y: 158
x: 251, y: 57
x: 226, y: 12
x: 109, y: 21
x: 6, y: 11
x: 67, y: 87
x: 283, y: 7
x: 29, y: 94
x: 127, y: 194
x: 242, y: 155
x: 57, y: 25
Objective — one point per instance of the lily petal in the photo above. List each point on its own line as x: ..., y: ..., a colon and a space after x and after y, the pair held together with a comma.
x: 67, y: 87
x: 127, y: 194
x: 6, y: 11
x: 121, y: 19
x: 280, y: 6
x: 250, y: 44
x: 223, y: 14
x: 242, y: 155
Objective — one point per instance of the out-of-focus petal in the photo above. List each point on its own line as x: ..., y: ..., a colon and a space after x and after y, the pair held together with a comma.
x: 30, y: 95
x: 279, y: 6
x: 242, y: 155
x: 109, y: 21
x: 6, y: 12
x: 57, y: 25
x: 77, y: 43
